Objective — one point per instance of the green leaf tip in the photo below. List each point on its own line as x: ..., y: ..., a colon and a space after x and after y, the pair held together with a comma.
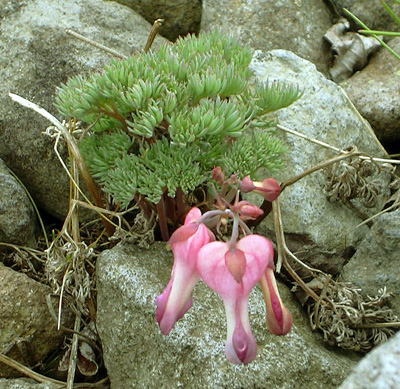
x: 161, y: 121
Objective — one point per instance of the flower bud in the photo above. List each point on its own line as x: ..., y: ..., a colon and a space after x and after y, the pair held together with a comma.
x: 268, y: 188
x: 247, y: 210
x: 217, y: 175
x: 279, y: 319
x: 247, y: 185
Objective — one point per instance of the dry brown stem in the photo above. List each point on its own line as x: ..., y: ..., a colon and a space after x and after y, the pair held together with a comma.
x: 28, y: 372
x: 153, y: 33
x: 74, y: 150
x: 41, y: 378
x: 95, y: 44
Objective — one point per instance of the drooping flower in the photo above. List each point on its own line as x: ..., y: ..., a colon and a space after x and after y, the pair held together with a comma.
x: 185, y: 242
x: 279, y: 319
x: 247, y: 210
x: 268, y: 187
x: 232, y: 272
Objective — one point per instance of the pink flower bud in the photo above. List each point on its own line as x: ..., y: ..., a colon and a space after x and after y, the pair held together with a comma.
x: 217, y: 175
x: 268, y: 188
x: 247, y: 210
x: 247, y: 185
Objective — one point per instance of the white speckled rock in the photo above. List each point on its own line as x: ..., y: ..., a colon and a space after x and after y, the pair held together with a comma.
x: 295, y: 25
x: 137, y: 355
x: 323, y: 112
x: 380, y: 369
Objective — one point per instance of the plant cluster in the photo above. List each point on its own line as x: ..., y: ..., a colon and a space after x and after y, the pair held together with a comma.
x: 356, y: 178
x: 350, y: 320
x: 159, y: 122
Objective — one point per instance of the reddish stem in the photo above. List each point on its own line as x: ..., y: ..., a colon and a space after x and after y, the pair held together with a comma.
x: 162, y: 220
x: 180, y: 206
x: 144, y: 205
x: 116, y: 115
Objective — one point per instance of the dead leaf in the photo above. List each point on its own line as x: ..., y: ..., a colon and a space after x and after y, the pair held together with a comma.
x: 351, y: 50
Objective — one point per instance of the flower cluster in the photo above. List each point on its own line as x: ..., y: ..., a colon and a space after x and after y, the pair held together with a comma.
x: 231, y: 269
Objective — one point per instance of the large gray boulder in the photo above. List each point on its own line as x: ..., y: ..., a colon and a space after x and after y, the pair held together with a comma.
x: 37, y: 56
x: 181, y: 17
x: 28, y: 332
x: 297, y: 26
x: 370, y: 12
x: 137, y: 355
x: 379, y: 78
x: 17, y: 217
x: 380, y: 369
x: 325, y: 113
x: 376, y: 263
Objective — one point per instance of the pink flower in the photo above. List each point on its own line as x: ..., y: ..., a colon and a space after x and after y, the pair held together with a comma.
x: 232, y: 273
x: 279, y: 319
x: 247, y: 210
x: 185, y: 242
x: 268, y: 187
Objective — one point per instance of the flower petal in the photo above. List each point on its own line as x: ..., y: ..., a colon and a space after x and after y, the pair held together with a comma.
x: 183, y: 233
x: 215, y: 273
x: 268, y: 188
x: 259, y: 255
x: 240, y: 346
x: 193, y: 215
x: 279, y: 319
x: 235, y: 261
x: 177, y: 296
x: 247, y: 185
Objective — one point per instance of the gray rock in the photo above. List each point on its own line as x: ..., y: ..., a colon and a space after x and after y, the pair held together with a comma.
x: 37, y: 56
x: 17, y: 217
x: 376, y: 261
x: 379, y: 78
x: 380, y: 369
x: 180, y: 16
x: 325, y: 113
x: 137, y: 355
x: 297, y: 26
x: 25, y: 383
x: 28, y: 332
x: 369, y: 12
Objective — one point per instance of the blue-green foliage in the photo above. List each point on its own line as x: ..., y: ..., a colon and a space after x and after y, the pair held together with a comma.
x: 162, y: 120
